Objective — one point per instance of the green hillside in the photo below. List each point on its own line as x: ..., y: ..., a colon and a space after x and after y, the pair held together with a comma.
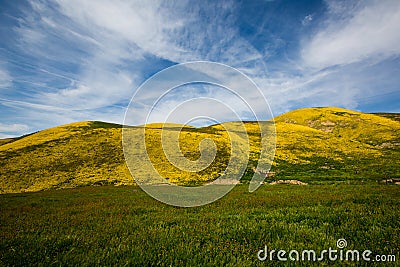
x: 313, y: 145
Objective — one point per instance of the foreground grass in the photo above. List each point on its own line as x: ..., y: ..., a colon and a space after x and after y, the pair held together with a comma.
x: 124, y: 226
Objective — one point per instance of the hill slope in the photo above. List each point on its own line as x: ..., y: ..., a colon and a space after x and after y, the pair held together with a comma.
x: 70, y: 155
x: 314, y: 144
x: 334, y: 143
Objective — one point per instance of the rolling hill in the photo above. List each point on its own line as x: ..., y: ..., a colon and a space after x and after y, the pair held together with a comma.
x: 313, y: 145
x: 333, y: 143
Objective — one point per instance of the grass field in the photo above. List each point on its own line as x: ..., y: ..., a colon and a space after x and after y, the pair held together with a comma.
x: 106, y: 225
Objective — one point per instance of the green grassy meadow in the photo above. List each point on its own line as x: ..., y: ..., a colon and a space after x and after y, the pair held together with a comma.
x: 123, y: 226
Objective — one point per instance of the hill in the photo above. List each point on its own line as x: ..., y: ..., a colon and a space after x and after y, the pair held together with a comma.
x: 334, y: 143
x: 313, y: 144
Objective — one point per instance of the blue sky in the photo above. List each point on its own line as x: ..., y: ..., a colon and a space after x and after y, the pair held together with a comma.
x: 67, y: 60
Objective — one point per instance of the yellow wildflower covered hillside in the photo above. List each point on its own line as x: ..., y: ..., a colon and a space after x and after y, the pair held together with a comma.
x: 334, y: 143
x: 313, y: 144
x: 76, y: 154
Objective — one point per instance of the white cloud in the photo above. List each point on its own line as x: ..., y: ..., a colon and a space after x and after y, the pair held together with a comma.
x: 142, y: 23
x: 307, y: 19
x: 13, y: 128
x: 5, y: 78
x: 175, y: 31
x: 100, y: 87
x: 370, y: 31
x: 4, y: 136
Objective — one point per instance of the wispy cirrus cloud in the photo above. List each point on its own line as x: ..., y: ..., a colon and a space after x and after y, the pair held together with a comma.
x: 10, y: 130
x: 370, y: 31
x: 108, y: 38
x: 5, y: 78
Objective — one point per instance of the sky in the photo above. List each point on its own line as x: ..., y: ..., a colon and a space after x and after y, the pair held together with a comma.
x: 64, y: 61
